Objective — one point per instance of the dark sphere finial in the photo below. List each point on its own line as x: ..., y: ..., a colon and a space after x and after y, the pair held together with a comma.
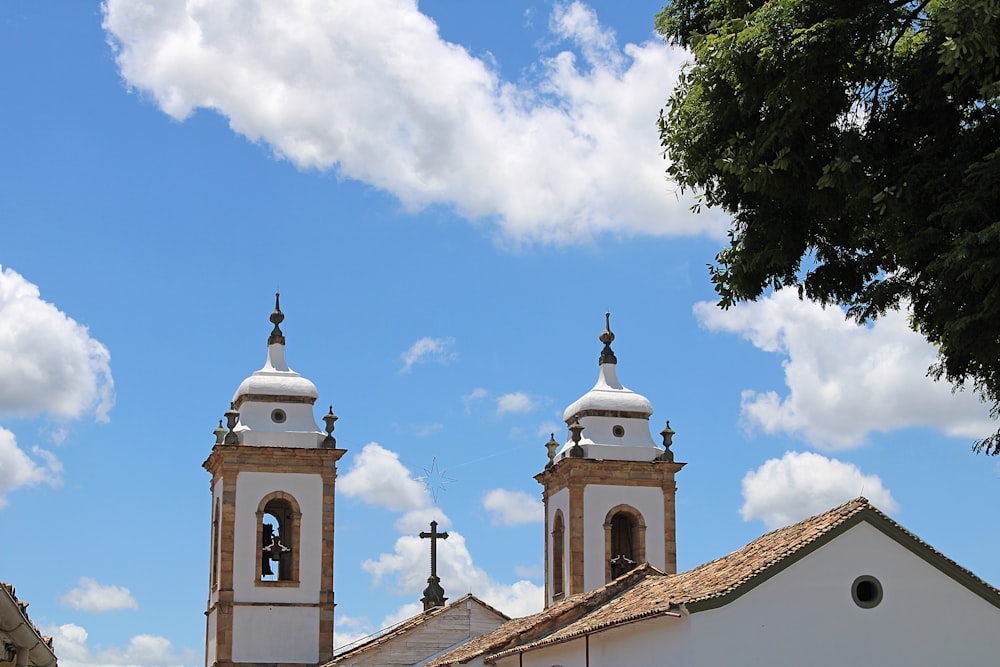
x: 607, y: 337
x: 277, y: 317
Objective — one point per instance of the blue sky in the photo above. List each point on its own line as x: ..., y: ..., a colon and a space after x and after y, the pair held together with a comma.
x: 449, y: 197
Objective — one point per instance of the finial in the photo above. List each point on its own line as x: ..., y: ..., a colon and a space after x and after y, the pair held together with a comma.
x: 576, y: 429
x: 551, y: 446
x: 220, y: 433
x: 329, y: 441
x: 607, y: 356
x: 232, y: 417
x: 668, y: 439
x: 277, y: 317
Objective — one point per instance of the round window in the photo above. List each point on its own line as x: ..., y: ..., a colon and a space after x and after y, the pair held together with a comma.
x: 618, y: 431
x: 866, y: 591
x: 278, y: 416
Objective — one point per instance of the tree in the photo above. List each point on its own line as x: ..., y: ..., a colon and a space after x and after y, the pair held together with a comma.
x: 856, y: 144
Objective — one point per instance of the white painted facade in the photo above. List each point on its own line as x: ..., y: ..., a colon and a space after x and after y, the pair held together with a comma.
x: 251, y: 488
x: 805, y: 614
x: 275, y: 634
x: 598, y: 500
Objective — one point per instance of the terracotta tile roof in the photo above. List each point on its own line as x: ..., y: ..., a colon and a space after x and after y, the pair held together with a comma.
x: 383, y: 636
x: 646, y: 592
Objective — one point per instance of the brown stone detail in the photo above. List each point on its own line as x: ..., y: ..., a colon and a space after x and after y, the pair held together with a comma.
x: 271, y: 398
x: 620, y: 414
x: 639, y: 542
x: 576, y: 551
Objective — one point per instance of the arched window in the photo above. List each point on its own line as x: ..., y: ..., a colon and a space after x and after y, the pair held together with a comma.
x: 624, y: 541
x: 558, y: 555
x: 278, y: 520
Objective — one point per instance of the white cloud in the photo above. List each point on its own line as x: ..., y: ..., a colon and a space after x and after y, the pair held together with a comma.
x: 844, y: 381
x: 426, y: 350
x: 476, y: 394
x: 517, y: 402
x: 369, y: 88
x: 406, y: 570
x: 801, y: 484
x: 92, y: 596
x: 378, y: 478
x: 48, y: 362
x: 17, y: 469
x: 70, y: 643
x: 510, y: 508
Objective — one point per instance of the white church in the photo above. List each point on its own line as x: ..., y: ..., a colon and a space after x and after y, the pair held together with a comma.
x: 849, y: 586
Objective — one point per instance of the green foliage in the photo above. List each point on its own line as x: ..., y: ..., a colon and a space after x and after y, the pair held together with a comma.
x: 856, y: 144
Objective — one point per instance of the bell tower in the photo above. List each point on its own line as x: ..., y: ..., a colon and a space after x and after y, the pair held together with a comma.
x: 608, y: 489
x: 271, y: 567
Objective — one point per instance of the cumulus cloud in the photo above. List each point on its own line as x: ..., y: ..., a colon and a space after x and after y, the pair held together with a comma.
x: 378, y: 478
x: 844, y: 381
x: 70, y: 642
x: 17, y: 469
x: 370, y: 89
x: 517, y: 402
x: 510, y: 508
x: 801, y: 484
x: 48, y: 361
x: 406, y: 568
x: 426, y: 350
x: 92, y: 596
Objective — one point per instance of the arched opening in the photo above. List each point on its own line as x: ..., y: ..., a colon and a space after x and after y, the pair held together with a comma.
x: 558, y: 555
x: 278, y: 519
x: 624, y: 541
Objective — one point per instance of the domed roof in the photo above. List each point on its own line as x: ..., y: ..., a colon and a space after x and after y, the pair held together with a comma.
x: 276, y: 380
x: 609, y: 397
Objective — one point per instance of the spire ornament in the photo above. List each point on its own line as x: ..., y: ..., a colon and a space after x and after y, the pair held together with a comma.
x: 607, y: 355
x: 232, y: 418
x: 329, y: 441
x: 220, y: 433
x: 551, y: 446
x: 277, y: 317
x: 576, y: 429
x: 668, y: 439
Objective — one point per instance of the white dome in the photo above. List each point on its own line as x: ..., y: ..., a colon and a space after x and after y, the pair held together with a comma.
x: 609, y: 396
x: 276, y: 379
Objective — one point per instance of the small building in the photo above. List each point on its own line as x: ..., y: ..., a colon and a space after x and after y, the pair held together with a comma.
x: 423, y: 637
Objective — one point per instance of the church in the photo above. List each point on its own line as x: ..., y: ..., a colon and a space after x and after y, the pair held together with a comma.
x: 849, y: 586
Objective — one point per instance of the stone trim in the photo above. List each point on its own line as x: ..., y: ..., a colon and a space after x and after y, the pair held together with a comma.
x: 620, y: 414
x: 640, y: 535
x: 272, y: 398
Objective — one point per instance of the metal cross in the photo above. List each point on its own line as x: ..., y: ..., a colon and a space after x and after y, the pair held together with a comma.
x: 434, y: 535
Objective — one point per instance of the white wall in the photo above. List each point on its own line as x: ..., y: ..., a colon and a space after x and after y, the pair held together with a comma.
x: 597, y: 502
x: 925, y: 617
x: 307, y: 489
x: 276, y: 634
